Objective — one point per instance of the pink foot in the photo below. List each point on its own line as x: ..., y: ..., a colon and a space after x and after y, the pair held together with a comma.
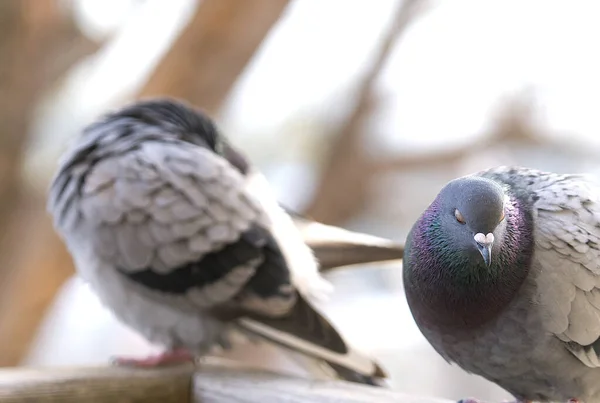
x: 173, y: 357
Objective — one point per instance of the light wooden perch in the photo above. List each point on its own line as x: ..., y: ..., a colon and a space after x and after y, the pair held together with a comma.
x: 208, y: 384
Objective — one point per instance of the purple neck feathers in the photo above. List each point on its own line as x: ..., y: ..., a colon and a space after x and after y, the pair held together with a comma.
x: 447, y: 290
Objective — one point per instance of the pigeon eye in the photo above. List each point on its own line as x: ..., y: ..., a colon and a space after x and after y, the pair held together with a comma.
x: 502, y: 217
x: 459, y: 217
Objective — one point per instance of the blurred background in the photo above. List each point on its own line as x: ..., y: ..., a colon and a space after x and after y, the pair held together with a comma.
x: 357, y: 111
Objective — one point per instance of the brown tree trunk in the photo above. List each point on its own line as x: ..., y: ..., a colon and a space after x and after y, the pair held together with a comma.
x: 213, y: 50
x: 19, y: 80
x: 37, y: 43
x: 342, y: 190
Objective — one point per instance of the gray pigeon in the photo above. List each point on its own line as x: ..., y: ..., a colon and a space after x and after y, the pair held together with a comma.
x: 502, y: 275
x: 182, y: 239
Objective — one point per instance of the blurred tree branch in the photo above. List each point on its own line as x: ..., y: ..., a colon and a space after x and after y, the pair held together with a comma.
x: 514, y: 124
x: 342, y: 190
x: 31, y: 37
x: 37, y: 44
x: 206, y: 60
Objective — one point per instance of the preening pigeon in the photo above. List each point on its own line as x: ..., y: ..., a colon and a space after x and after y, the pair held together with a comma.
x: 182, y: 239
x: 502, y: 275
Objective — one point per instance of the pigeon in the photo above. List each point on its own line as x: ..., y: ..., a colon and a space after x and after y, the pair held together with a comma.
x: 502, y: 276
x: 182, y: 239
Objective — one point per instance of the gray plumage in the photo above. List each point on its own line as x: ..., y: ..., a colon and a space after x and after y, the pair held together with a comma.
x: 181, y: 238
x: 530, y: 321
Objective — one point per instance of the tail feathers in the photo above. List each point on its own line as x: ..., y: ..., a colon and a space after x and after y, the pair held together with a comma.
x: 304, y: 330
x: 352, y: 376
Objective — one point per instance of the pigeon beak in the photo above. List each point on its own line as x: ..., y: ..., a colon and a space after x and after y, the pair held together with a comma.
x: 484, y: 245
x: 486, y: 252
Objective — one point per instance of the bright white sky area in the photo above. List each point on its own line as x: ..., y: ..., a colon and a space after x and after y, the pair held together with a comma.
x: 442, y: 83
x: 442, y: 86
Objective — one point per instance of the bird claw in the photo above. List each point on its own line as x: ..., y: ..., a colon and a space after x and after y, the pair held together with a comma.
x: 173, y: 357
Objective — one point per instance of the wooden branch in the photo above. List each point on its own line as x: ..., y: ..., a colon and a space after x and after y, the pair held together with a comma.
x: 99, y: 385
x: 342, y: 190
x: 209, y: 384
x: 220, y: 385
x: 213, y: 50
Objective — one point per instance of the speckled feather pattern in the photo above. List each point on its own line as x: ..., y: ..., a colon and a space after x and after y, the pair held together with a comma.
x: 117, y: 220
x: 540, y: 346
x: 142, y: 194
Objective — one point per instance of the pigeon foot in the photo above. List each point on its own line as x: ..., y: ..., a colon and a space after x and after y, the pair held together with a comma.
x: 172, y: 357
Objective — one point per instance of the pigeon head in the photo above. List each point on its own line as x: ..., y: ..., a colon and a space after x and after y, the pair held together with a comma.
x: 473, y: 218
x: 469, y: 252
x: 158, y: 119
x: 172, y: 118
x: 184, y: 122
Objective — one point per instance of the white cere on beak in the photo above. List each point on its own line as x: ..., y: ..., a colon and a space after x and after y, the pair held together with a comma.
x: 484, y: 239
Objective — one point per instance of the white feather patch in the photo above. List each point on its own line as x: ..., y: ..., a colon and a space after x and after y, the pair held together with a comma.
x: 302, y: 263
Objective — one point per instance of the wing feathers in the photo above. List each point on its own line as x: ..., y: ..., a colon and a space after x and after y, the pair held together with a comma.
x: 566, y: 234
x: 306, y: 331
x: 176, y: 220
x: 172, y: 217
